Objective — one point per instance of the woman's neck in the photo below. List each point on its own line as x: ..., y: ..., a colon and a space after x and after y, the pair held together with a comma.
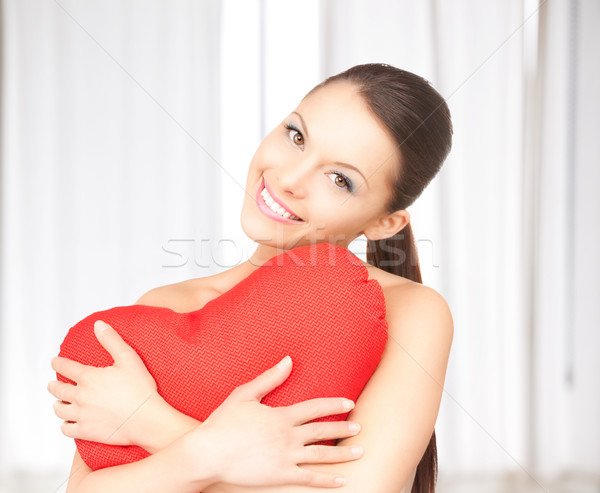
x: 263, y: 253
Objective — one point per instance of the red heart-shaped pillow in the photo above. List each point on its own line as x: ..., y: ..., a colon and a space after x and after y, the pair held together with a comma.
x: 314, y: 303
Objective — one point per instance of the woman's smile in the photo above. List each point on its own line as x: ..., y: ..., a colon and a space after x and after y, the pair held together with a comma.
x: 272, y: 206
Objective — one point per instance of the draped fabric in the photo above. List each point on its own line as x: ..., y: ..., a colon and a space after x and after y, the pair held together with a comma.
x: 126, y: 132
x: 110, y: 117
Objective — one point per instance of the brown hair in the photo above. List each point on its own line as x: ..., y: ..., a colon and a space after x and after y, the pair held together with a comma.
x: 418, y: 118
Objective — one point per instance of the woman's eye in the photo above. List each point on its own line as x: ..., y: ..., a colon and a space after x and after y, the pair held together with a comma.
x: 340, y: 180
x: 297, y: 137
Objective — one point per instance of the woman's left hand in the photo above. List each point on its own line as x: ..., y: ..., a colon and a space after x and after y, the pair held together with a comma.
x: 116, y: 405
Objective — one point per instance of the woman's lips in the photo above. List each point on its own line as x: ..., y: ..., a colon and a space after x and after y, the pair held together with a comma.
x: 264, y: 194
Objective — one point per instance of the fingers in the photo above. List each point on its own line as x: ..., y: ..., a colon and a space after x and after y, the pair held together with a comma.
x: 304, y: 411
x: 327, y: 454
x: 267, y: 381
x: 326, y: 430
x: 67, y: 368
x: 317, y: 479
x: 62, y: 391
x: 64, y: 410
x: 69, y: 429
x: 323, y: 454
x: 110, y: 340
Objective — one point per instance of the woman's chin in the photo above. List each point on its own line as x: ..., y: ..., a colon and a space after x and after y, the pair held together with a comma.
x: 269, y: 232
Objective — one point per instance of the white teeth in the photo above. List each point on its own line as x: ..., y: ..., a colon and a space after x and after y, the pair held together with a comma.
x: 275, y: 207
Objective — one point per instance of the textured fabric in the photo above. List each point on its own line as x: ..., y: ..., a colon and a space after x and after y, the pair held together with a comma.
x: 314, y: 303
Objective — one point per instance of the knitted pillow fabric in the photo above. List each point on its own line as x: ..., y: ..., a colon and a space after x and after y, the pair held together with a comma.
x: 314, y: 303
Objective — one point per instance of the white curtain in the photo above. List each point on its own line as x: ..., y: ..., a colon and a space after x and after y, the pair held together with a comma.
x: 565, y: 270
x: 110, y: 152
x: 127, y: 129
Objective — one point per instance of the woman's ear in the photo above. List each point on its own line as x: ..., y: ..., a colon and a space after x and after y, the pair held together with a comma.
x: 388, y: 225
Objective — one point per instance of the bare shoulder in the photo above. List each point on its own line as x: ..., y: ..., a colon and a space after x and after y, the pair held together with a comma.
x: 413, y: 308
x: 184, y: 296
x: 410, y: 304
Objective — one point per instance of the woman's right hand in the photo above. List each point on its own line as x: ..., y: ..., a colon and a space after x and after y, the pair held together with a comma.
x: 252, y: 444
x: 117, y: 404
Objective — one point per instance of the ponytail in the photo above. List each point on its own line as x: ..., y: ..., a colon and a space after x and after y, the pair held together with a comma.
x: 398, y: 255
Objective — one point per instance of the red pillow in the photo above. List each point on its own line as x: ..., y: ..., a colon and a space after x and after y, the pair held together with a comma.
x: 314, y: 303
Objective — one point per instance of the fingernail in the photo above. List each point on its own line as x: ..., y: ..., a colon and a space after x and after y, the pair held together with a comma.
x: 354, y: 427
x: 285, y: 362
x: 100, y: 325
x: 356, y: 450
x: 347, y: 404
x: 340, y: 481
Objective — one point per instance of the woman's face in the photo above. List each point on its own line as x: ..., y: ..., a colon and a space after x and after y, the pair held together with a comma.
x: 328, y: 166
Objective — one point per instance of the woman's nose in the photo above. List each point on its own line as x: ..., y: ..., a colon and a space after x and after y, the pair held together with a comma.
x: 293, y: 179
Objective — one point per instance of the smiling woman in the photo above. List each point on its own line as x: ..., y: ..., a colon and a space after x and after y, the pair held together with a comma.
x: 348, y: 161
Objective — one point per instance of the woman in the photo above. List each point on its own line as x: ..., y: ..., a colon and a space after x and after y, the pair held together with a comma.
x: 356, y: 152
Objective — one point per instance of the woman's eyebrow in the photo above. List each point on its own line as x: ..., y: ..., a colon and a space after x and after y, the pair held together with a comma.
x: 304, y: 127
x: 354, y: 168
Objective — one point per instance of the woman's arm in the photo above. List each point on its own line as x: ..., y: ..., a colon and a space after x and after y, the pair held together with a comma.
x: 398, y: 407
x: 168, y: 470
x: 243, y: 442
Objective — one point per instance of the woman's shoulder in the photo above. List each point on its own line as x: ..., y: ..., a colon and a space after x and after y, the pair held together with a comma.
x: 193, y: 294
x: 409, y: 302
x: 184, y: 296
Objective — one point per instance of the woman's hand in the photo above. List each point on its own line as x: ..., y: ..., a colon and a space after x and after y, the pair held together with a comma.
x: 252, y: 444
x: 116, y: 405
